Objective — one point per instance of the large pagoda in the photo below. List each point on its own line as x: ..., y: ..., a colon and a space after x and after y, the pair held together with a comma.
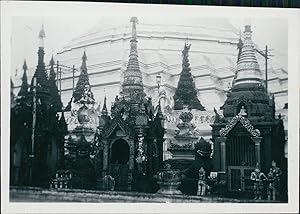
x: 248, y: 134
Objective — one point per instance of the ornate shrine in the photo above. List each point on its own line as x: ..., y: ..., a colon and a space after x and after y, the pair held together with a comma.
x: 248, y: 132
x: 127, y: 143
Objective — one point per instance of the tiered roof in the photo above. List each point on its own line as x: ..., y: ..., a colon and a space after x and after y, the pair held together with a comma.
x: 133, y: 81
x: 248, y: 92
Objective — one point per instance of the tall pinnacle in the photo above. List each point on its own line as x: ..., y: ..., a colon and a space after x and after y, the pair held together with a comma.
x: 83, y: 91
x: 24, y: 87
x: 186, y: 93
x: 247, y: 66
x: 42, y: 35
x: 40, y: 72
x: 55, y: 97
x: 133, y: 82
x: 52, y: 74
x: 104, y: 109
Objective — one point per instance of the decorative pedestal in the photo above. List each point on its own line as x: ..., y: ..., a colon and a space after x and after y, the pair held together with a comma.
x: 169, y: 181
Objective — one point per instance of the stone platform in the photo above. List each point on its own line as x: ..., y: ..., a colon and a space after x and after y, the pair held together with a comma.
x: 34, y: 194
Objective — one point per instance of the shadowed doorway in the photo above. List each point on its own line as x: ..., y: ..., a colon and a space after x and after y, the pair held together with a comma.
x: 119, y: 164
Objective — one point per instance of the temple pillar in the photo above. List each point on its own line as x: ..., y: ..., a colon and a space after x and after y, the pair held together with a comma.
x: 131, y: 164
x: 131, y: 155
x: 257, y: 141
x: 222, y: 141
x: 105, y: 157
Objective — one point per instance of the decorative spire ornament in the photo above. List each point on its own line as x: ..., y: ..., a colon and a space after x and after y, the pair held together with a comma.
x: 42, y: 35
x: 104, y: 109
x: 82, y: 92
x: 42, y: 83
x: 133, y: 82
x: 186, y: 93
x: 24, y: 87
x: 55, y: 97
x: 52, y: 74
x: 247, y: 66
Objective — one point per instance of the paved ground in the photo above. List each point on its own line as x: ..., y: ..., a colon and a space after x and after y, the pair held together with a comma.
x: 31, y: 194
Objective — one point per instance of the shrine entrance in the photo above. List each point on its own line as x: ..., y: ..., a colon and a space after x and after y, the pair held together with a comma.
x: 119, y: 166
x: 241, y: 161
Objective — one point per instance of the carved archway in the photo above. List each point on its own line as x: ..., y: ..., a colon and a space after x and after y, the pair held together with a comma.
x: 119, y: 163
x: 120, y: 152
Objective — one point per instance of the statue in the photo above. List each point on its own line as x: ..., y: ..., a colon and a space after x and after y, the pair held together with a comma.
x: 202, y: 186
x: 258, y: 178
x: 274, y: 181
x: 243, y: 111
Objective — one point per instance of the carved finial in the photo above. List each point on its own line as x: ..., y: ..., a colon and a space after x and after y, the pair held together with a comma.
x: 84, y: 58
x: 134, y: 21
x: 186, y: 48
x: 247, y: 29
x: 104, y: 109
x: 52, y: 61
x: 42, y: 35
x: 25, y: 65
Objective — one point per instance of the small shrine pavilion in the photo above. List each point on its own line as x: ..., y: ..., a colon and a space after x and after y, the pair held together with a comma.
x: 248, y: 134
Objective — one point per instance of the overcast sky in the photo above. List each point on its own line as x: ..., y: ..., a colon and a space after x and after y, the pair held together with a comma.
x: 62, y: 29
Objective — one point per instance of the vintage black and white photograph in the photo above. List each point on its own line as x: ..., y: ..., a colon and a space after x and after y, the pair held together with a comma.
x: 143, y: 108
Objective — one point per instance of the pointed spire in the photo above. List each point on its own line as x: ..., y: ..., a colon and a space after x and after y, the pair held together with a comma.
x: 52, y: 74
x: 186, y: 93
x: 83, y: 64
x: 247, y: 66
x: 25, y: 66
x: 133, y: 82
x: 24, y: 87
x: 104, y: 109
x: 55, y: 97
x: 40, y: 74
x: 84, y: 58
x: 83, y: 88
x: 42, y: 35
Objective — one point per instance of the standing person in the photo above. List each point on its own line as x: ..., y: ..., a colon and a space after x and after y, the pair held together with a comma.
x: 258, y: 178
